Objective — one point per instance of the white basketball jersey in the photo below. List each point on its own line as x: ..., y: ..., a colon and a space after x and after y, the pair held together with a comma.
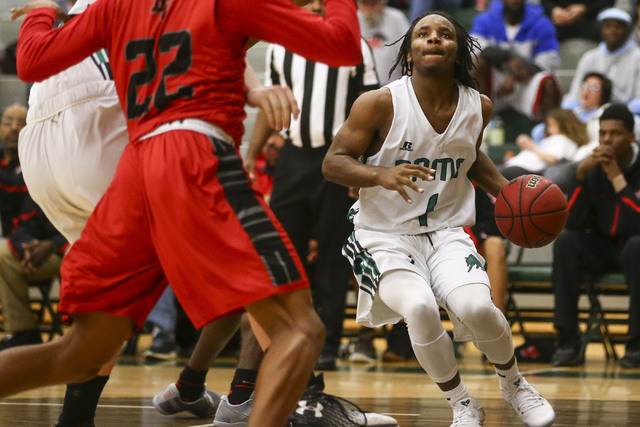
x: 447, y: 201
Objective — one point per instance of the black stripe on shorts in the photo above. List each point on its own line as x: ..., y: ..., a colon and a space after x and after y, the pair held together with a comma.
x: 255, y: 221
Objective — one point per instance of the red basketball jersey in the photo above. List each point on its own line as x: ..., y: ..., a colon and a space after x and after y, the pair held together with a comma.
x: 175, y: 59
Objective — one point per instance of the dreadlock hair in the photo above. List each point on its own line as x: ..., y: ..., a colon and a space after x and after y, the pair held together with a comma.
x: 467, y: 46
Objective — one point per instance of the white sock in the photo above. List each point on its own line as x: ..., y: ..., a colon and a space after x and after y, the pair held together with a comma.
x: 456, y: 394
x: 509, y: 376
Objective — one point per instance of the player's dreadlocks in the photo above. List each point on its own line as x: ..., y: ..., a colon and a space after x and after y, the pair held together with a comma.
x: 466, y: 47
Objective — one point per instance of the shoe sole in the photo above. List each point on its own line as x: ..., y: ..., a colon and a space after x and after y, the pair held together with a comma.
x: 361, y: 358
x: 548, y: 424
x: 163, y: 357
x: 223, y: 424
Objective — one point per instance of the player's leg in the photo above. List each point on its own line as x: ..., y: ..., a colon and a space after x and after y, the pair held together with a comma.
x: 189, y: 392
x: 245, y: 376
x: 495, y: 253
x: 81, y: 399
x: 240, y: 258
x: 472, y: 304
x: 236, y: 407
x: 297, y: 335
x: 77, y: 356
x: 410, y: 295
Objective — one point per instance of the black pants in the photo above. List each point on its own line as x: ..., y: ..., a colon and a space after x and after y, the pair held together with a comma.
x: 309, y: 207
x: 575, y: 253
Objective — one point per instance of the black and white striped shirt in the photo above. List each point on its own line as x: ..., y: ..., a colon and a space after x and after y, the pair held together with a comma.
x: 324, y: 94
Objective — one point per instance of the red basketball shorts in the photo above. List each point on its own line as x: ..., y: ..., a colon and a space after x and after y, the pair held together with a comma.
x: 179, y: 210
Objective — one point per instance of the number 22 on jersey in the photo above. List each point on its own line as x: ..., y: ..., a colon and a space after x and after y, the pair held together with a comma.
x: 180, y: 41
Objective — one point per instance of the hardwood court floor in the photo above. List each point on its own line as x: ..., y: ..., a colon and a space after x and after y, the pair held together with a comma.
x: 597, y: 394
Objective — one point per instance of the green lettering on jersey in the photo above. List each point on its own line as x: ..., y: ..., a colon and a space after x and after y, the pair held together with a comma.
x: 447, y: 166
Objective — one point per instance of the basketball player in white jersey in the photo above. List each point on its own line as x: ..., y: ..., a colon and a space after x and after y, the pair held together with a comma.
x: 419, y: 139
x: 75, y: 134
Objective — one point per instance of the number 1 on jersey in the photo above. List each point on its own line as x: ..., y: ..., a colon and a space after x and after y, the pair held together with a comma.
x: 431, y: 205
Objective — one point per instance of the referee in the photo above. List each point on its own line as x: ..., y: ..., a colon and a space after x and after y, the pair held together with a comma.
x: 308, y: 206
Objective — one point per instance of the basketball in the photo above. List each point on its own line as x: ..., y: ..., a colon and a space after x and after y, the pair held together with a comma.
x: 531, y: 211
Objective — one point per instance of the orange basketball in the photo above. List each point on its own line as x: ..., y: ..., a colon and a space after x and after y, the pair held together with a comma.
x: 531, y: 211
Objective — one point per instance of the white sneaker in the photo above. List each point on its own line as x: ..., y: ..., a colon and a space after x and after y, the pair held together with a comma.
x: 229, y: 415
x: 534, y: 410
x: 168, y: 403
x: 467, y: 413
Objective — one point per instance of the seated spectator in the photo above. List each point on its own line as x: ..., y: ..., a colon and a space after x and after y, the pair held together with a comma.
x: 13, y: 190
x: 381, y: 26
x: 565, y: 133
x: 518, y: 58
x: 575, y: 19
x: 617, y: 57
x: 33, y: 251
x: 602, y: 234
x: 595, y: 94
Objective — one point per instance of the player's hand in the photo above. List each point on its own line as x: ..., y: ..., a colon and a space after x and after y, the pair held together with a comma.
x: 17, y: 12
x: 250, y: 166
x: 399, y: 177
x: 278, y: 104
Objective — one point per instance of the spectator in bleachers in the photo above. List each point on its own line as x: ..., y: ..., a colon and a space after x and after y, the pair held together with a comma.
x: 12, y: 187
x: 565, y: 133
x: 33, y: 251
x: 575, y: 19
x: 382, y: 26
x: 595, y: 94
x: 617, y: 57
x: 602, y: 234
x: 518, y: 58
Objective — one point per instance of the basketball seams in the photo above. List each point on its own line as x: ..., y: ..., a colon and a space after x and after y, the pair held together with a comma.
x: 523, y: 231
x: 506, y: 202
x: 532, y: 214
x: 517, y: 203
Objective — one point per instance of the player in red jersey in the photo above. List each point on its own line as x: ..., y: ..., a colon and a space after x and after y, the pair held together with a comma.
x: 180, y: 203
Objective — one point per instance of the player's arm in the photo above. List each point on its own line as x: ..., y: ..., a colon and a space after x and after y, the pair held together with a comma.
x: 44, y: 51
x: 363, y: 133
x: 483, y: 171
x: 333, y: 40
x: 17, y: 12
